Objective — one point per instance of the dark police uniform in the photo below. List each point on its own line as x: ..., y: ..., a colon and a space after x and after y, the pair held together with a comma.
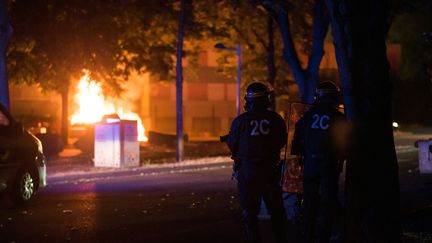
x: 255, y: 140
x: 317, y: 138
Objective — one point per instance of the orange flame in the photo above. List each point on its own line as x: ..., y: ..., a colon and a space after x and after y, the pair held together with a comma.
x: 92, y: 106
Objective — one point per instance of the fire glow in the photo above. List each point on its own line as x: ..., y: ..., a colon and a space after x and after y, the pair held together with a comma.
x: 92, y: 106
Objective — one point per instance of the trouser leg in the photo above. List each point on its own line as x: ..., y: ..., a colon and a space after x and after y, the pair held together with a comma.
x: 328, y: 200
x: 250, y: 204
x: 310, y: 202
x: 274, y: 203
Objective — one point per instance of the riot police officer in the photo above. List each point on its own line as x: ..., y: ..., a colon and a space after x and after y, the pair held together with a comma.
x: 318, y: 139
x: 255, y: 140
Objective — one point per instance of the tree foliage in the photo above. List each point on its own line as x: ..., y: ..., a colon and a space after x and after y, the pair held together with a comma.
x: 251, y: 26
x: 412, y: 19
x: 56, y: 40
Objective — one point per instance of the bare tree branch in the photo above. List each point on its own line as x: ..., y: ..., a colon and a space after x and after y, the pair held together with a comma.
x: 343, y: 53
x: 5, y: 34
x: 280, y: 14
x: 319, y: 31
x: 243, y: 37
x: 259, y: 39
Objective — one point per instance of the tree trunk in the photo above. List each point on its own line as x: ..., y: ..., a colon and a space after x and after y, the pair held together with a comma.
x: 5, y: 34
x: 271, y: 67
x: 289, y: 53
x: 372, y: 169
x: 305, y: 79
x: 343, y: 51
x: 65, y: 113
x: 373, y: 174
x: 319, y: 32
x: 179, y: 85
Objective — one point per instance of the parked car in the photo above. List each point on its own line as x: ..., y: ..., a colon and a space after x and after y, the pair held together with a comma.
x: 22, y: 163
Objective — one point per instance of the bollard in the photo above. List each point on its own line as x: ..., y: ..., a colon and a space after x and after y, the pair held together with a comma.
x: 425, y: 155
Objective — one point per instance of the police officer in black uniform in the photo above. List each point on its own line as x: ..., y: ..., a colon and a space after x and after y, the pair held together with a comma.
x: 318, y: 137
x: 255, y: 140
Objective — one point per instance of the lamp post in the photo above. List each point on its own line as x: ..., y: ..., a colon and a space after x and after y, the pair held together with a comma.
x: 238, y: 49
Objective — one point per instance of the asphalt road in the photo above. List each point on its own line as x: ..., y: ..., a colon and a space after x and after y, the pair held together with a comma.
x: 191, y: 203
x: 182, y: 206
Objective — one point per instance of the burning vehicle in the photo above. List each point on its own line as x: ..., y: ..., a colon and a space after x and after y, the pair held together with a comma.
x: 22, y: 162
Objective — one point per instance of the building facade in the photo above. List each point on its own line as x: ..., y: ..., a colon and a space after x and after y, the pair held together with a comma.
x: 209, y: 97
x: 209, y: 104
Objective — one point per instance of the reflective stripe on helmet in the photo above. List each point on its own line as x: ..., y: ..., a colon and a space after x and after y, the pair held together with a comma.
x: 253, y: 95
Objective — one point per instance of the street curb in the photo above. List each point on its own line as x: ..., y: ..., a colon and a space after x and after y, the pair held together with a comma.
x: 89, y: 171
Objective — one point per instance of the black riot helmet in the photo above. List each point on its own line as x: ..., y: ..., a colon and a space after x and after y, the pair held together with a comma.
x: 258, y: 96
x: 327, y: 92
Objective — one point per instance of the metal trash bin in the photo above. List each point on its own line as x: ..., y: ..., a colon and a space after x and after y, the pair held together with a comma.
x: 116, y: 143
x: 425, y: 155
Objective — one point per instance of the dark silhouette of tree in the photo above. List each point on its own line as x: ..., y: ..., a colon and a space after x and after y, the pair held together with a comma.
x: 55, y: 40
x: 306, y: 78
x: 411, y: 21
x: 372, y: 169
x: 5, y: 34
x: 359, y: 30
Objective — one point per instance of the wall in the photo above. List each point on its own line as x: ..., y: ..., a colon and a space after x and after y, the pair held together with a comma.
x: 209, y: 108
x: 30, y: 106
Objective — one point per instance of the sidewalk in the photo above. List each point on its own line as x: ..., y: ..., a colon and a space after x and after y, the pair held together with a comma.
x: 79, y: 165
x: 72, y: 161
x: 415, y: 188
x: 416, y: 203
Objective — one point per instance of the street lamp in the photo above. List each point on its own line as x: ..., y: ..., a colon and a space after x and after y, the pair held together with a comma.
x: 223, y: 47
